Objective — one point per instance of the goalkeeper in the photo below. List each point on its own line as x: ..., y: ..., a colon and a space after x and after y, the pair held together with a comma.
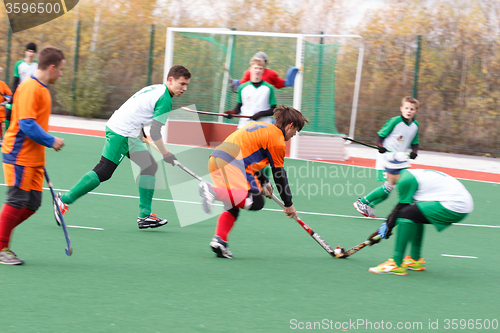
x: 397, y: 135
x: 269, y: 75
x: 150, y: 105
x: 425, y: 197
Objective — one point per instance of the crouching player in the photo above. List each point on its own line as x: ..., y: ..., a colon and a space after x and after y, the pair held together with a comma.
x: 235, y: 168
x: 425, y: 197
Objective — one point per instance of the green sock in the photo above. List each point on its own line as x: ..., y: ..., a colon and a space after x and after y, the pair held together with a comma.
x: 87, y: 183
x: 376, y: 196
x: 416, y: 242
x: 146, y: 191
x: 406, y: 231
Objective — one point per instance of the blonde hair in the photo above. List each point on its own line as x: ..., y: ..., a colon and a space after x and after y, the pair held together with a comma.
x: 411, y: 100
x: 257, y: 61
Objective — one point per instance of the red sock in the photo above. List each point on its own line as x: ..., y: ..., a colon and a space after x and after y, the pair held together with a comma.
x: 224, y: 225
x: 234, y: 197
x: 25, y: 214
x: 9, y: 219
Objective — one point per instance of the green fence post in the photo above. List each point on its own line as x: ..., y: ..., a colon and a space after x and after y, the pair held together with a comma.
x: 75, y: 68
x: 150, y: 59
x: 417, y: 63
x: 318, y: 85
x: 7, y: 65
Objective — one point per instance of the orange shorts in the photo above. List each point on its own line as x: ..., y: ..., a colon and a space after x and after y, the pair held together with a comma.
x: 24, y: 177
x: 227, y: 175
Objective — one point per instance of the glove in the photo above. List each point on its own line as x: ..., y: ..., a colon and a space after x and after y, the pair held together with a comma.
x: 230, y: 114
x: 413, y: 154
x: 169, y: 158
x: 382, y: 149
x: 290, y: 76
x: 256, y: 116
x: 267, y: 190
x: 234, y: 85
x: 384, y: 231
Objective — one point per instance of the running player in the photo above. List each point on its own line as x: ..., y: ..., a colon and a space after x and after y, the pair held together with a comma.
x: 397, y: 135
x: 24, y: 148
x: 425, y: 197
x: 150, y: 105
x: 235, y: 168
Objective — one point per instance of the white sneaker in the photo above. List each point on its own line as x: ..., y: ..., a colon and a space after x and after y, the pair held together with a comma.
x: 62, y: 207
x: 221, y: 248
x: 8, y: 257
x: 364, y: 209
x: 150, y: 221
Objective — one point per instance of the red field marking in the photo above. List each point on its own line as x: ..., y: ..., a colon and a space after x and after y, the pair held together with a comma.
x: 355, y: 161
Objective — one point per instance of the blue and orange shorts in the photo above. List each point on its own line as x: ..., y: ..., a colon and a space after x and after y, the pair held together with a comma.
x: 24, y: 177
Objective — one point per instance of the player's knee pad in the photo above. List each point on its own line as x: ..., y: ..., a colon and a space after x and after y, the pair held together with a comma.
x: 235, y: 211
x: 258, y: 201
x: 104, y: 169
x: 150, y: 170
x: 389, y: 186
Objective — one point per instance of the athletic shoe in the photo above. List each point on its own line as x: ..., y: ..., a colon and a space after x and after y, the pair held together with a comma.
x: 7, y: 257
x: 414, y: 265
x: 208, y: 196
x: 62, y: 206
x: 388, y: 267
x: 150, y: 221
x: 221, y: 248
x: 364, y: 209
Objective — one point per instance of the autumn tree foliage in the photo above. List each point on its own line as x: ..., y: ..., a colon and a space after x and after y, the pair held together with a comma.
x: 458, y: 72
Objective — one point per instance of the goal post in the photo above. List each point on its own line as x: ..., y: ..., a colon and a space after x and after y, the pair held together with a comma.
x: 214, y: 56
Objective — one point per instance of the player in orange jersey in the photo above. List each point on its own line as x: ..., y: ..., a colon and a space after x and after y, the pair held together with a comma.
x: 24, y: 148
x: 235, y: 168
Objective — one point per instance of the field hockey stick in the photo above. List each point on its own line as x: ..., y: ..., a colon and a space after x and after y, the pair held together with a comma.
x: 359, y: 142
x: 313, y: 234
x: 69, y: 249
x: 358, y: 247
x: 214, y: 113
x: 176, y: 162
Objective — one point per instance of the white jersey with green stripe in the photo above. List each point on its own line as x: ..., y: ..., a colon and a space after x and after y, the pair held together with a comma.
x: 417, y: 185
x: 23, y: 70
x: 398, y: 136
x: 148, y: 104
x: 255, y: 99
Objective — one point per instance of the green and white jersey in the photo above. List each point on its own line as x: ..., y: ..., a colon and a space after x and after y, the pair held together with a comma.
x: 254, y: 100
x: 148, y: 104
x: 418, y: 185
x: 398, y: 137
x: 23, y: 70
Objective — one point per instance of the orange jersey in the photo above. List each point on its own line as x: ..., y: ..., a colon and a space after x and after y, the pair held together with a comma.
x: 253, y: 147
x: 32, y: 101
x: 4, y: 90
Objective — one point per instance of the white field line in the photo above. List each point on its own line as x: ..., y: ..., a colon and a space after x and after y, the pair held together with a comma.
x: 80, y: 227
x: 270, y: 209
x: 456, y: 256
